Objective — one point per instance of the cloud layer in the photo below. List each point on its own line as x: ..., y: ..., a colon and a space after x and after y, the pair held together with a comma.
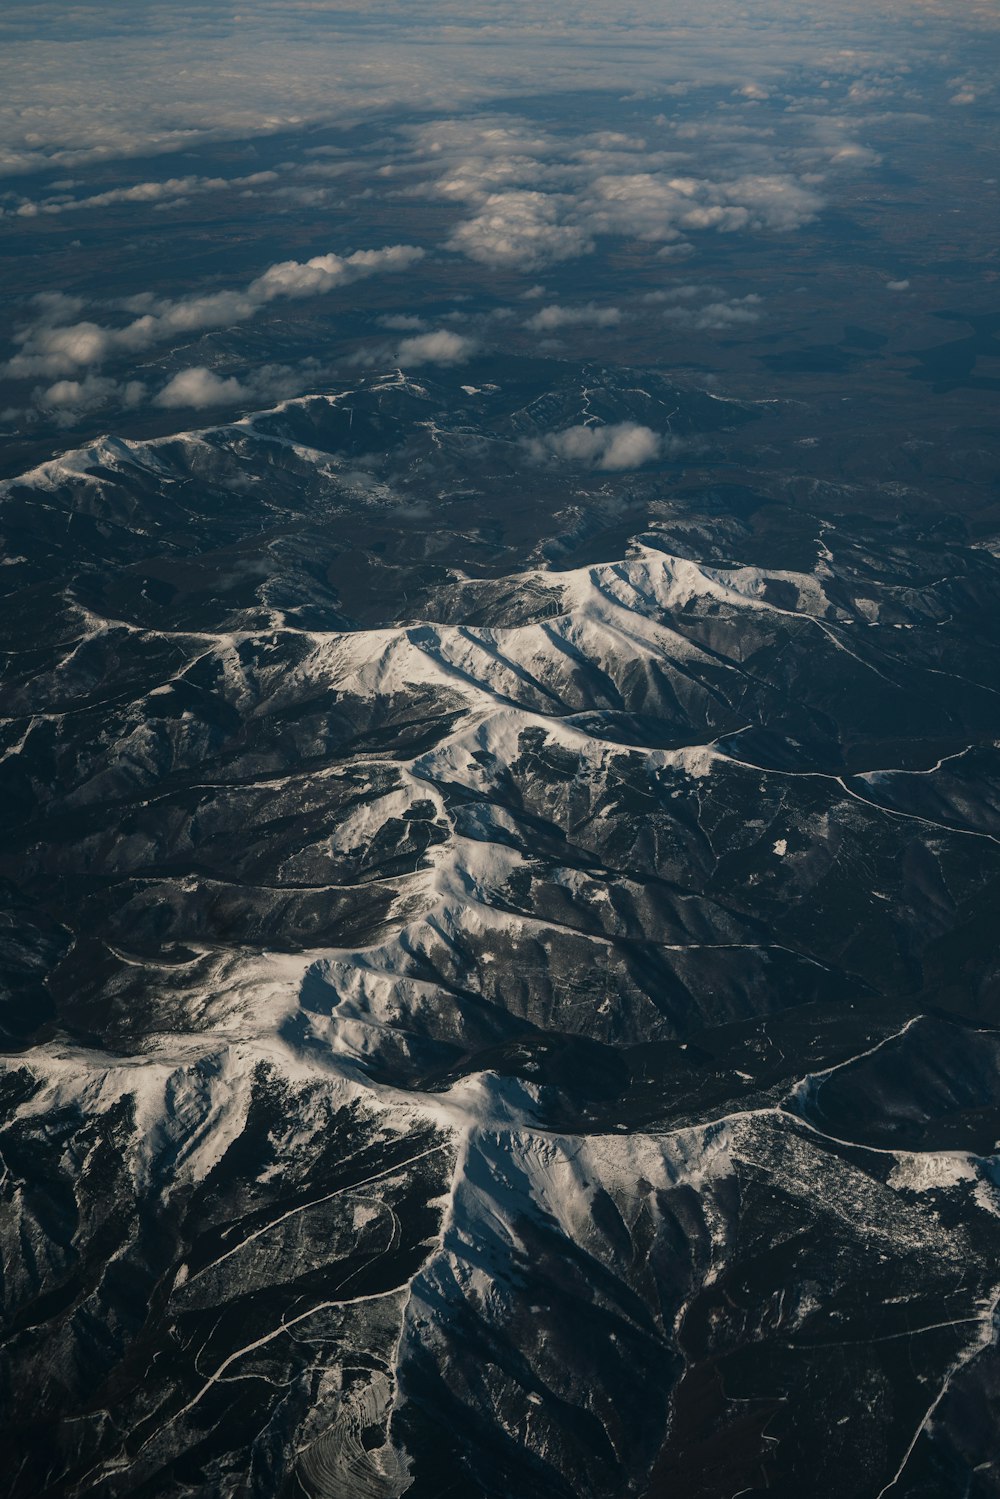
x: 716, y: 121
x: 90, y: 82
x: 533, y: 198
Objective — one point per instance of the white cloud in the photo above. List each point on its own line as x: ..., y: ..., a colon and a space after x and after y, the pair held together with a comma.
x: 536, y: 198
x: 440, y: 347
x: 644, y: 204
x: 199, y: 387
x: 683, y: 291
x: 731, y: 312
x: 520, y: 231
x: 549, y: 319
x: 528, y: 229
x: 50, y: 348
x: 897, y: 285
x: 774, y: 201
x: 196, y: 387
x: 402, y: 322
x: 99, y: 81
x: 157, y: 194
x: 257, y: 385
x: 972, y: 85
x: 316, y: 277
x: 68, y: 400
x: 618, y: 446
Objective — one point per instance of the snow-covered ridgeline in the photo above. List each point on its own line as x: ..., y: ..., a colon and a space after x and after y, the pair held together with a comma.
x: 481, y: 934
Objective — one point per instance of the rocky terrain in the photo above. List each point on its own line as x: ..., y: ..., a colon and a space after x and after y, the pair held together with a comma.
x: 500, y: 961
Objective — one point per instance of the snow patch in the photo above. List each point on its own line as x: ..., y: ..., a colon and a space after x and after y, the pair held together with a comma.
x: 925, y: 1173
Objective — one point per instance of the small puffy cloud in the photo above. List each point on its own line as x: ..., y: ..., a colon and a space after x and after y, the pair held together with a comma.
x: 971, y: 86
x: 549, y: 319
x: 732, y: 312
x: 617, y: 446
x: 851, y: 154
x: 54, y: 307
x: 54, y: 350
x: 85, y: 394
x: 897, y: 285
x: 316, y: 277
x: 402, y: 322
x: 521, y: 231
x: 440, y: 347
x: 967, y: 89
x: 685, y: 291
x: 199, y: 387
x: 771, y: 200
x: 68, y: 400
x: 614, y: 140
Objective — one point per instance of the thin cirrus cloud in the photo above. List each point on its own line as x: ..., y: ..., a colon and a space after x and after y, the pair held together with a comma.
x: 50, y: 346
